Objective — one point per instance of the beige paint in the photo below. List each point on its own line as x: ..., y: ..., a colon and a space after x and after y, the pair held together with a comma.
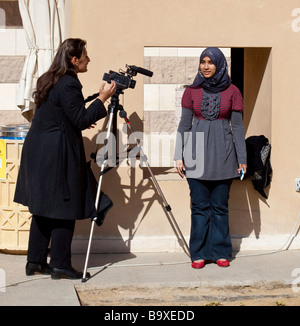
x: 117, y: 32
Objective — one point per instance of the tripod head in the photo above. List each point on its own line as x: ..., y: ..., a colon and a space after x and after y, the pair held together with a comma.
x: 115, y: 106
x: 112, y: 109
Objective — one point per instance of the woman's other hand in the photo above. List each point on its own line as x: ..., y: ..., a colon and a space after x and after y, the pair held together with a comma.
x: 180, y: 168
x: 107, y: 91
x: 241, y: 166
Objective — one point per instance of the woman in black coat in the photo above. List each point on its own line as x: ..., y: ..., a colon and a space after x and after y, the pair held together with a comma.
x: 52, y: 180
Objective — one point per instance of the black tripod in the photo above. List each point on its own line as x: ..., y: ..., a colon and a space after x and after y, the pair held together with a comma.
x: 113, y: 108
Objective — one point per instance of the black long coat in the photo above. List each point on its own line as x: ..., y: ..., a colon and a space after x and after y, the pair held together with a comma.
x: 52, y: 179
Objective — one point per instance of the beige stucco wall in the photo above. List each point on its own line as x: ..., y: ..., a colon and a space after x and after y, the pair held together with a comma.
x: 117, y: 32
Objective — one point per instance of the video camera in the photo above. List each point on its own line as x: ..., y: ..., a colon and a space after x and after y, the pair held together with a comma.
x: 124, y: 79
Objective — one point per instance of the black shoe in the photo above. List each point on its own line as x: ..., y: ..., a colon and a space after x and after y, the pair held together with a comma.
x: 69, y: 273
x: 33, y: 268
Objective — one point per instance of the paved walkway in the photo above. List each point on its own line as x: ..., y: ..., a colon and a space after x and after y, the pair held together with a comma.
x: 144, y: 270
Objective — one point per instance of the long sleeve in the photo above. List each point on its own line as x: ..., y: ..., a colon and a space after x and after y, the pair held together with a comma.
x: 72, y: 102
x: 237, y: 126
x: 185, y: 125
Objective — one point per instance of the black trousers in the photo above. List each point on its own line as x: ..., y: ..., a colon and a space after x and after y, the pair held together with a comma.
x: 59, y: 232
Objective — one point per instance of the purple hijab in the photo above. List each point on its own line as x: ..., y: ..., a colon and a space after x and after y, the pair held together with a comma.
x: 220, y: 81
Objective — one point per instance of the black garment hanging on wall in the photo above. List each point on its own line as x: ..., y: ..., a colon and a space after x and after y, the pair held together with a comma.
x: 259, y: 168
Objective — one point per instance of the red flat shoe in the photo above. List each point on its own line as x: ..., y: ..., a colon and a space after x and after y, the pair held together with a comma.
x: 198, y: 264
x: 223, y: 263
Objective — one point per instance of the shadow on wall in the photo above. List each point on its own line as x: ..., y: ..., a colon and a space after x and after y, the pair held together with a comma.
x: 132, y: 198
x: 125, y: 197
x: 258, y: 92
x: 244, y: 204
x: 244, y: 210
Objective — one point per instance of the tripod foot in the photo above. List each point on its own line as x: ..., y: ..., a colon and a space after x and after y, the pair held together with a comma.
x: 84, y: 280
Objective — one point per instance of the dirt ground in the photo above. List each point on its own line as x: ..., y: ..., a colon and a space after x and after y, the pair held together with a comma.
x: 264, y: 295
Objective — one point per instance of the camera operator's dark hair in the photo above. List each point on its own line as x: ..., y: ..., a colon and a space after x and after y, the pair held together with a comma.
x: 61, y: 65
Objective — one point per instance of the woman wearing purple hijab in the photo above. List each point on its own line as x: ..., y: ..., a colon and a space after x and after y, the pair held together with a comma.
x: 210, y: 151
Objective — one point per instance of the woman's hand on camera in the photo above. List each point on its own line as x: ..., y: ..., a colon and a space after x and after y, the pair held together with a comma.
x: 180, y: 168
x: 106, y: 91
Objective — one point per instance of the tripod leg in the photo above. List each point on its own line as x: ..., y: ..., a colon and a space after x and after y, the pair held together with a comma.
x: 84, y: 279
x: 166, y: 205
x: 110, y: 121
